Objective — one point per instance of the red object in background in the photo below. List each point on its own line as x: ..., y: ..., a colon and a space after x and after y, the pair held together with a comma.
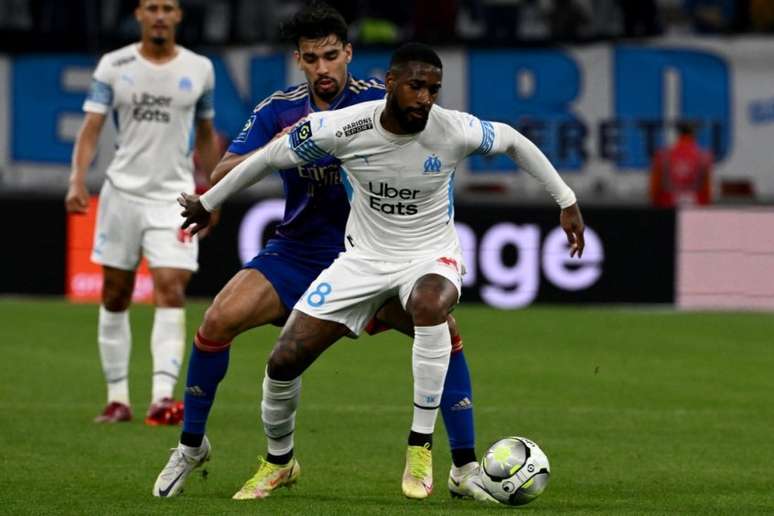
x: 681, y: 175
x: 83, y: 278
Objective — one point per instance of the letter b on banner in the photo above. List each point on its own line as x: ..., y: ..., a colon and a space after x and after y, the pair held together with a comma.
x: 703, y: 95
x: 534, y: 91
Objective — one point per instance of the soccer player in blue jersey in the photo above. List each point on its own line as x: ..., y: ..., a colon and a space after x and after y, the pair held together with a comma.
x: 309, y: 238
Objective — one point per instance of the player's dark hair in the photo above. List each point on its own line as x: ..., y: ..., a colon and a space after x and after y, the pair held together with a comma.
x: 418, y: 52
x: 316, y: 20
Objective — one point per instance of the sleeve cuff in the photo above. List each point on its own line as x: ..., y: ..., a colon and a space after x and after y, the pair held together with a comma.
x: 95, y: 107
x: 567, y: 199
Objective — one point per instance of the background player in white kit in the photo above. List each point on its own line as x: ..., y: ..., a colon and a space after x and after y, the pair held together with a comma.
x: 159, y: 93
x: 399, y: 157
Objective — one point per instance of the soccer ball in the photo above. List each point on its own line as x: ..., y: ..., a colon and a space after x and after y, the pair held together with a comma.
x: 515, y: 471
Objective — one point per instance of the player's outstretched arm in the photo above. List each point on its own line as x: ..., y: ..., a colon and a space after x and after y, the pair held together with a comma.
x: 230, y: 160
x: 529, y: 157
x: 77, y: 199
x: 276, y: 155
x: 227, y: 163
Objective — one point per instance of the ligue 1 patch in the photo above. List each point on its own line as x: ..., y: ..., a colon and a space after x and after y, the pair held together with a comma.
x: 300, y: 134
x: 245, y: 132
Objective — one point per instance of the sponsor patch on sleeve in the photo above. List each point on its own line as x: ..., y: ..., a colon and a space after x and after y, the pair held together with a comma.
x: 300, y: 134
x: 245, y: 132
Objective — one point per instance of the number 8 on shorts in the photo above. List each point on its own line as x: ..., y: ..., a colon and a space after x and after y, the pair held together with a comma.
x: 316, y: 298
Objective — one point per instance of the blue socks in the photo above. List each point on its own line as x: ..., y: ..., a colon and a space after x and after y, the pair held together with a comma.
x: 457, y: 410
x: 205, y: 371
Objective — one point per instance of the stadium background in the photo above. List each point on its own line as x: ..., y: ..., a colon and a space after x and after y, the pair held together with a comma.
x: 597, y: 93
x: 598, y: 84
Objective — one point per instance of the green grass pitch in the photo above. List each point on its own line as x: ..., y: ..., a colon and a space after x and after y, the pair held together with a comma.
x: 639, y: 411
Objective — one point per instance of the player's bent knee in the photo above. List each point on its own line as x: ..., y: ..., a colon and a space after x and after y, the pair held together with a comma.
x: 428, y: 311
x: 116, y: 298
x: 219, y: 324
x: 171, y: 295
x: 283, y: 364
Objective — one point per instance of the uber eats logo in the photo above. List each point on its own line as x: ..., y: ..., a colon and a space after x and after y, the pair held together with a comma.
x: 151, y: 108
x: 390, y: 200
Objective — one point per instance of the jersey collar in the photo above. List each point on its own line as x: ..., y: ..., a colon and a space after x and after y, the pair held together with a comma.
x: 337, y: 100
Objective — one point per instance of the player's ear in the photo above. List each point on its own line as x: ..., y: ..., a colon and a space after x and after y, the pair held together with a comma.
x: 348, y: 52
x: 297, y: 57
x: 389, y: 81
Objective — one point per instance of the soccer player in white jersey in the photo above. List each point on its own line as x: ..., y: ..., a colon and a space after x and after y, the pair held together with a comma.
x: 160, y: 93
x: 399, y: 157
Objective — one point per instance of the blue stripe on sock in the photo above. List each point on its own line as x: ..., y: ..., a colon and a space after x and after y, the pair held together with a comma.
x: 205, y: 371
x: 457, y: 413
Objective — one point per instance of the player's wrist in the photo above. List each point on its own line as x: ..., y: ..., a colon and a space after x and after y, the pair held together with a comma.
x: 209, y: 208
x: 77, y: 180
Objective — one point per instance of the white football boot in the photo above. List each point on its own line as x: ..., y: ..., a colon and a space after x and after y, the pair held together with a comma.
x: 468, y: 484
x: 172, y: 478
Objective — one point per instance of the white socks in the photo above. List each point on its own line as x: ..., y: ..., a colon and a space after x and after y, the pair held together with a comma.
x: 278, y: 412
x: 429, y: 360
x: 115, y: 344
x: 167, y: 345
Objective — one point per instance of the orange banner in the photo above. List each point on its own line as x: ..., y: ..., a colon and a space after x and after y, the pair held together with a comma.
x: 83, y: 277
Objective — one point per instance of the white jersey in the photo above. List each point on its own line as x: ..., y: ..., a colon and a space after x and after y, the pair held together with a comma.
x: 400, y: 187
x: 154, y: 107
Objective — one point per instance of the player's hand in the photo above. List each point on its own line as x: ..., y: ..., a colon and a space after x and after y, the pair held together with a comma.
x: 77, y: 199
x: 571, y: 221
x: 196, y: 217
x: 214, y: 220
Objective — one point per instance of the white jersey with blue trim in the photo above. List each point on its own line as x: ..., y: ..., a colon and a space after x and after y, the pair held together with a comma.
x: 400, y: 187
x: 154, y: 107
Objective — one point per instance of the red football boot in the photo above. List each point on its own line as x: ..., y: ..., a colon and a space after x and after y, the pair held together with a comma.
x: 165, y: 412
x: 115, y: 412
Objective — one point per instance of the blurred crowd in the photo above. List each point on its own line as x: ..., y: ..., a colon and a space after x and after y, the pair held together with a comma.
x: 96, y: 25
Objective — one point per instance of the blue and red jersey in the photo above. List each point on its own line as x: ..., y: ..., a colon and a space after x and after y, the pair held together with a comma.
x: 316, y: 205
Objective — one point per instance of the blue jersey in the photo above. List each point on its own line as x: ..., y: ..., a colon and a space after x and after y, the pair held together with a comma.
x: 316, y: 205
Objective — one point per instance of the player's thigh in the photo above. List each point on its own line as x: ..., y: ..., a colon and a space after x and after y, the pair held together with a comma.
x: 247, y: 301
x: 118, y: 231
x: 349, y: 292
x: 302, y: 340
x: 432, y: 286
x: 169, y: 286
x: 396, y: 317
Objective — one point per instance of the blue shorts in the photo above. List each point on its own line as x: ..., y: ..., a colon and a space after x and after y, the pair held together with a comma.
x: 292, y: 266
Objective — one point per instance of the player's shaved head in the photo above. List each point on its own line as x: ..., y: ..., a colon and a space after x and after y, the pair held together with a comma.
x: 414, y: 52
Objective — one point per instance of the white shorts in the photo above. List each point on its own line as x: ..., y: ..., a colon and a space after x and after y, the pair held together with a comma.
x: 127, y: 229
x: 352, y: 289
